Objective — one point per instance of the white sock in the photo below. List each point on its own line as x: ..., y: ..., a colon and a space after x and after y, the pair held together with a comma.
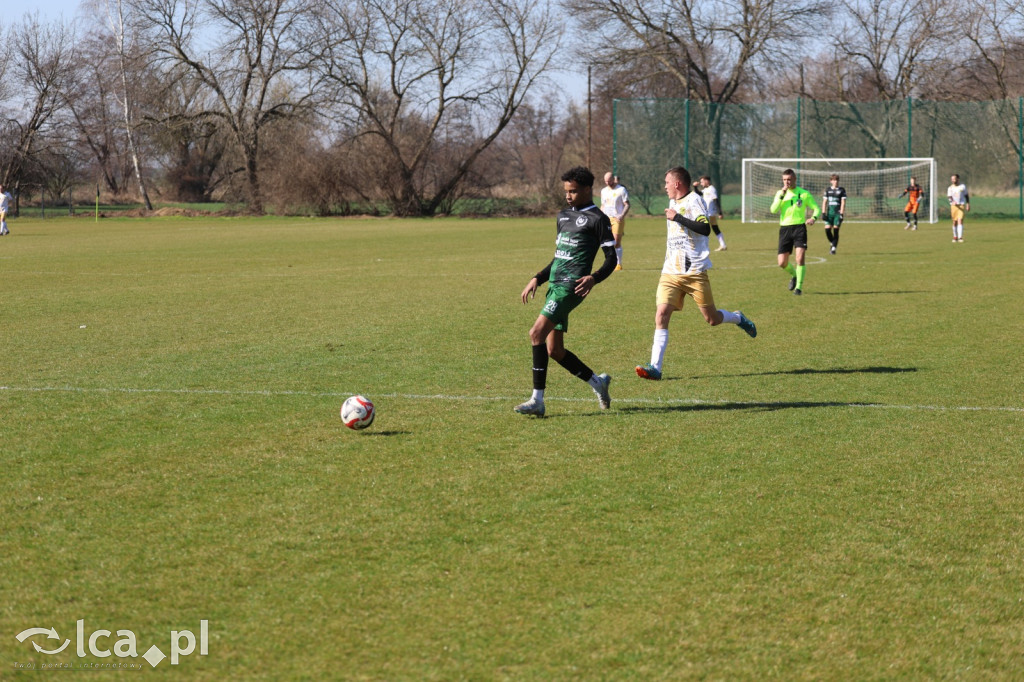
x: 618, y: 254
x: 658, y: 349
x: 594, y: 382
x: 730, y: 318
x: 959, y: 231
x: 721, y: 240
x: 538, y: 395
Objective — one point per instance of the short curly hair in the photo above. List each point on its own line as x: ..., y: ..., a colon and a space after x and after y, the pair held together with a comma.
x: 581, y: 175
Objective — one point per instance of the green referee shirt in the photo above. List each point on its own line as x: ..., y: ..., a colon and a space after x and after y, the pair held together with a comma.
x: 792, y: 204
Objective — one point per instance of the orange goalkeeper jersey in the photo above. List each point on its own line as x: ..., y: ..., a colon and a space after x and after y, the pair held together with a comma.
x: 914, y: 194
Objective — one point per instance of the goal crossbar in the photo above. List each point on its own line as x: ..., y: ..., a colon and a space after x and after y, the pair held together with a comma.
x: 873, y: 185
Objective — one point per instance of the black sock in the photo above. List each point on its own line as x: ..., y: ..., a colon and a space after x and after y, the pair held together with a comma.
x: 540, y: 366
x: 835, y: 236
x: 828, y: 235
x: 575, y: 366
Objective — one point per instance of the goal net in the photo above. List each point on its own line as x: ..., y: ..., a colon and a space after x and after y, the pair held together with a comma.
x: 873, y: 186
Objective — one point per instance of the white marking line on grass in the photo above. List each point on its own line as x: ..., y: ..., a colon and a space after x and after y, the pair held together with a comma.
x: 484, y: 398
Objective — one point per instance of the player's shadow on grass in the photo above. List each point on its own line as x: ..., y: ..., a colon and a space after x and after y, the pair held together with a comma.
x: 732, y: 406
x: 809, y: 370
x: 870, y: 293
x: 378, y: 434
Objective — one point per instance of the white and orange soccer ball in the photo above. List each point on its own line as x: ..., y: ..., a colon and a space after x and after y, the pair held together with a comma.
x: 357, y: 412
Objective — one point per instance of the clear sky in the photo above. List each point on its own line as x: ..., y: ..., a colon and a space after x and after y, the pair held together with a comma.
x: 50, y: 9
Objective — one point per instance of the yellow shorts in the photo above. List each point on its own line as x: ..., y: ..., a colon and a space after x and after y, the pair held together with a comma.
x: 673, y: 289
x: 618, y: 226
x: 956, y: 211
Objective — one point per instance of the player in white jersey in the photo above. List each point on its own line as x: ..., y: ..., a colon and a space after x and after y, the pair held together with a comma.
x: 615, y: 205
x: 959, y: 204
x: 708, y: 192
x: 687, y: 260
x: 5, y: 206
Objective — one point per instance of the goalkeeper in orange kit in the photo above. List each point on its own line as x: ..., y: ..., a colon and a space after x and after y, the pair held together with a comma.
x: 914, y: 193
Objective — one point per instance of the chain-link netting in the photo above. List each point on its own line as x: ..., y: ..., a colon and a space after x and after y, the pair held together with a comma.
x: 981, y: 141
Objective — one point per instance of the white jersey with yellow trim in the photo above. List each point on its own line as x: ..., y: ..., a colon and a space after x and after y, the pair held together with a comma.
x: 686, y: 252
x: 957, y: 194
x: 614, y: 200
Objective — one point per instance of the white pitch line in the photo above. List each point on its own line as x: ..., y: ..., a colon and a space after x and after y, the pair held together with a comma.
x: 484, y: 398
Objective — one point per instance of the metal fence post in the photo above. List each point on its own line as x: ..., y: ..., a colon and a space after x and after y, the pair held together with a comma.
x: 686, y: 135
x: 799, y: 114
x: 910, y: 128
x: 615, y: 137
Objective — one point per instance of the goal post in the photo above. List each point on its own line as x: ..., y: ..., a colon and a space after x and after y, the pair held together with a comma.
x: 873, y: 186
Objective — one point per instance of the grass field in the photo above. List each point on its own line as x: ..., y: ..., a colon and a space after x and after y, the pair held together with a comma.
x: 840, y: 498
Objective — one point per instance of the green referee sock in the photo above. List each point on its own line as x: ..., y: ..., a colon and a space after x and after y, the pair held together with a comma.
x: 800, y: 276
x: 790, y: 269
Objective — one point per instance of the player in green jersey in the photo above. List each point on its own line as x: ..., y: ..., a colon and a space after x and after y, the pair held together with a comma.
x: 833, y: 206
x: 582, y: 230
x: 791, y: 203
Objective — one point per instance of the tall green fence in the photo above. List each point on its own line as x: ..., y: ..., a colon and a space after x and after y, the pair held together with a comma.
x: 981, y: 141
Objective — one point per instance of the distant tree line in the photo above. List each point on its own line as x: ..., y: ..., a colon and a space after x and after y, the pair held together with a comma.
x: 409, y: 107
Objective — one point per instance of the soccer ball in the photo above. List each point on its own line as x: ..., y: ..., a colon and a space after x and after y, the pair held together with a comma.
x: 357, y: 412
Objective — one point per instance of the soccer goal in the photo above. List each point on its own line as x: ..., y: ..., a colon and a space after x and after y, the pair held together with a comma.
x: 873, y: 186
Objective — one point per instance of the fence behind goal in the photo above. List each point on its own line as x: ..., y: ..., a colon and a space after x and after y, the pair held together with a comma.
x: 980, y: 141
x: 874, y: 187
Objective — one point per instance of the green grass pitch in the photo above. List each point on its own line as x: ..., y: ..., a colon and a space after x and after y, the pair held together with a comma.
x: 839, y: 498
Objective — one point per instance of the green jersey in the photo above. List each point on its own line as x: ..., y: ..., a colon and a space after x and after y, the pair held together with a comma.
x: 792, y: 205
x: 833, y: 199
x: 580, y: 235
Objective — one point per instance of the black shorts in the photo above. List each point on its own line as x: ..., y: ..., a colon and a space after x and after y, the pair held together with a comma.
x: 791, y: 237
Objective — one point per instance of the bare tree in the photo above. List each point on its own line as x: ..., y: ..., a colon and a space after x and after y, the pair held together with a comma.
x: 255, y: 66
x: 994, y: 70
x: 889, y: 47
x: 995, y: 29
x: 883, y: 52
x: 41, y: 68
x: 195, y: 148
x: 8, y: 121
x: 127, y: 52
x: 6, y: 42
x: 535, y: 146
x: 715, y: 50
x: 92, y: 108
x: 435, y: 81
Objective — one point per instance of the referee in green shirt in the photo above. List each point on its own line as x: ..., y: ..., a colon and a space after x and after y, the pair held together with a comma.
x: 791, y: 203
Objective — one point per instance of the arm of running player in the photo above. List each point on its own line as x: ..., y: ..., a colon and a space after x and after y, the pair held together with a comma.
x: 531, y: 287
x: 842, y: 206
x: 586, y: 283
x: 700, y: 225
